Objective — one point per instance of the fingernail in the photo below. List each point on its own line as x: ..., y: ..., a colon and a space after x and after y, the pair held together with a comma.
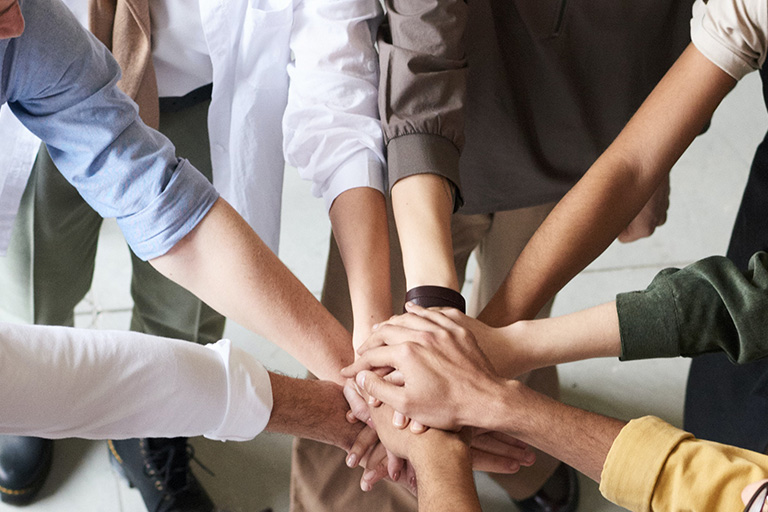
x: 409, y: 305
x: 371, y: 400
x: 412, y: 481
x: 369, y: 474
x: 365, y: 486
x: 375, y: 326
x: 351, y: 460
x: 396, y: 476
x: 398, y: 420
x: 360, y: 379
x: 357, y: 388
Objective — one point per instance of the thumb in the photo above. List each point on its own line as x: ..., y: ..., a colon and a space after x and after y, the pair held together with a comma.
x: 378, y: 388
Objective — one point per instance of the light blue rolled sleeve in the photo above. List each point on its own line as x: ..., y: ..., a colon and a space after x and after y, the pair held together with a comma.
x: 62, y: 85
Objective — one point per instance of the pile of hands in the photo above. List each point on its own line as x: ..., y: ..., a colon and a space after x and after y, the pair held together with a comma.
x: 421, y: 384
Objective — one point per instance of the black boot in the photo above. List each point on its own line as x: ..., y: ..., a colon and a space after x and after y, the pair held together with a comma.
x: 24, y: 464
x: 159, y: 468
x: 560, y: 493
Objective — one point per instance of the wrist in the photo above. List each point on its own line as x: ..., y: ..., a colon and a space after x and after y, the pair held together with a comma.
x: 451, y: 449
x: 507, y: 409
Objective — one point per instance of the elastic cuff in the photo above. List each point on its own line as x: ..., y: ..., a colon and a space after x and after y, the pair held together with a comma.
x: 422, y: 153
x: 647, y: 322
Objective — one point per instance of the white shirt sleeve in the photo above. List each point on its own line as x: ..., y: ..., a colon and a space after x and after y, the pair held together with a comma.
x: 331, y: 130
x: 62, y: 382
x: 733, y: 34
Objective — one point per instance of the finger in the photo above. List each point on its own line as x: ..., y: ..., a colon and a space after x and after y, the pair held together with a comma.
x: 381, y: 389
x: 379, y: 357
x: 418, y: 428
x: 506, y: 438
x: 399, y: 420
x: 524, y: 455
x: 412, y: 482
x: 484, y: 461
x: 375, y: 456
x: 435, y: 317
x: 365, y: 440
x: 357, y: 404
x: 394, y: 466
x: 393, y: 334
x: 372, y: 476
x: 395, y: 377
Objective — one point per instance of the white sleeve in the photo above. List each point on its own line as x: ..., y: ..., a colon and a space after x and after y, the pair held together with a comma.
x: 62, y: 382
x: 331, y: 130
x: 733, y: 34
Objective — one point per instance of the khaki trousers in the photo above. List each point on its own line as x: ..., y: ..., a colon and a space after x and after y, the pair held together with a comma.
x: 50, y: 262
x: 320, y: 480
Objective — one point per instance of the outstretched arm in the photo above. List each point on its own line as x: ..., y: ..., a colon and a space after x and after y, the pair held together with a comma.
x: 359, y: 220
x: 226, y: 264
x: 614, y: 189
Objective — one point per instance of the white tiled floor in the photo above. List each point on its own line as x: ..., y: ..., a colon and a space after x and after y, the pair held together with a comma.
x: 706, y: 188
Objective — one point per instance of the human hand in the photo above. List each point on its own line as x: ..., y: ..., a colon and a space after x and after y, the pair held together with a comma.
x: 492, y: 452
x: 653, y: 215
x: 443, y: 376
x: 366, y: 446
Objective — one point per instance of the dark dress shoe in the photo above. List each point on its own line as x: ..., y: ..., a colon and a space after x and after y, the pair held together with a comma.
x: 560, y: 493
x: 159, y: 469
x: 24, y: 464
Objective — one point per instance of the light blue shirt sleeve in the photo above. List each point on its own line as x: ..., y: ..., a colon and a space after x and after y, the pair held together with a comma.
x: 61, y: 84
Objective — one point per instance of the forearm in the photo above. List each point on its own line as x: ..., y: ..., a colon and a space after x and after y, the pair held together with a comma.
x: 312, y: 409
x: 422, y: 206
x: 615, y: 188
x: 359, y: 220
x: 226, y: 264
x: 445, y: 480
x: 531, y: 344
x: 579, y: 438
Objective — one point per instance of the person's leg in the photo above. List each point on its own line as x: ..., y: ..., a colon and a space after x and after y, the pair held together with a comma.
x: 320, y: 479
x: 47, y: 271
x: 163, y: 308
x: 501, y: 244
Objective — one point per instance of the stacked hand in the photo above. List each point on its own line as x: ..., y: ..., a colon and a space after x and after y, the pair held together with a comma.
x: 430, y: 368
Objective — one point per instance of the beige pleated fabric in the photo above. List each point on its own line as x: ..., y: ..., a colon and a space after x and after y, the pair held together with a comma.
x: 125, y: 28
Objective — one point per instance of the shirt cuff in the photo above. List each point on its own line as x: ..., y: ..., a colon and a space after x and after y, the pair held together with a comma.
x: 184, y: 202
x: 363, y: 169
x: 249, y: 395
x: 422, y: 153
x: 644, y: 446
x: 647, y: 322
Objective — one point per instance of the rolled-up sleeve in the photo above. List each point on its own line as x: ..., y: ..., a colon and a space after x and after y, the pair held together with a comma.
x: 63, y: 88
x: 331, y: 130
x: 64, y: 382
x: 423, y: 84
x: 708, y: 306
x: 733, y: 34
x: 653, y: 466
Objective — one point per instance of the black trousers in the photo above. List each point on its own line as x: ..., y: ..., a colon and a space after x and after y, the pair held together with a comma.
x: 725, y: 402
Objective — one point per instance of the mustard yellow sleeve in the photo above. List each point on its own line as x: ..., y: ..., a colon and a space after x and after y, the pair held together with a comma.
x: 653, y: 466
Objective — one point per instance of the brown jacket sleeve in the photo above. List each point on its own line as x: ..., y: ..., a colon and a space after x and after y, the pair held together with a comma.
x: 423, y: 83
